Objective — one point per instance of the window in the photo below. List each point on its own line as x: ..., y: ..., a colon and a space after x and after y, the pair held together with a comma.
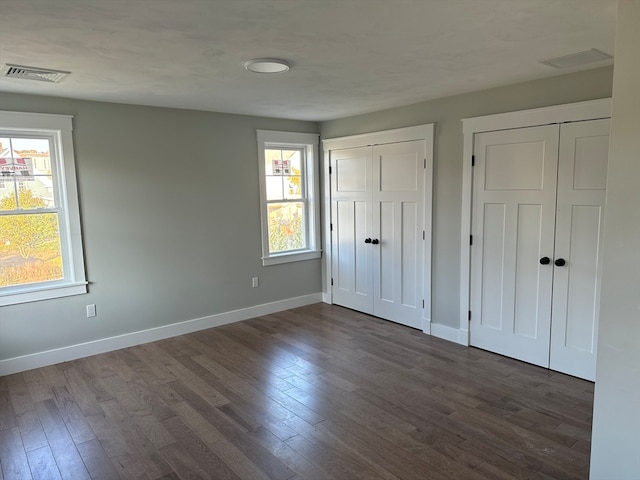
x: 40, y: 243
x: 289, y: 196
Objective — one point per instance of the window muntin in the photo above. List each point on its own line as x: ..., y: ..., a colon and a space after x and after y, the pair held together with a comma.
x: 40, y: 243
x: 288, y: 196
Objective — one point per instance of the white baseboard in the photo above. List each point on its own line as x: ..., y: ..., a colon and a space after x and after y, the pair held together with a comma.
x: 451, y: 334
x: 72, y: 352
x: 326, y: 298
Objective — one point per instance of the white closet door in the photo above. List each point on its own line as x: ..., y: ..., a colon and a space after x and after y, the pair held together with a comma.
x: 582, y: 178
x: 351, y: 218
x: 398, y: 222
x: 514, y: 206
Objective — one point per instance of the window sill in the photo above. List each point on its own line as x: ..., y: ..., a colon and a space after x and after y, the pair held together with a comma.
x: 291, y: 257
x: 38, y: 293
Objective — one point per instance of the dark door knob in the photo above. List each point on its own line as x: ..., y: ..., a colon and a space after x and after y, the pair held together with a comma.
x: 545, y: 261
x: 375, y: 241
x: 560, y: 262
x: 367, y: 240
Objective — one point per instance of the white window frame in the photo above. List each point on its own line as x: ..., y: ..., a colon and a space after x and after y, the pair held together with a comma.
x: 268, y: 139
x: 58, y: 128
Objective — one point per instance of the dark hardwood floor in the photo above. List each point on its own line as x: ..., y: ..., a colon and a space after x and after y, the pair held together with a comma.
x: 319, y: 392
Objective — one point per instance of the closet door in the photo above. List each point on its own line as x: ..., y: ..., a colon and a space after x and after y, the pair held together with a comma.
x: 513, y: 222
x: 582, y: 178
x: 351, y: 187
x: 398, y: 222
x: 378, y: 221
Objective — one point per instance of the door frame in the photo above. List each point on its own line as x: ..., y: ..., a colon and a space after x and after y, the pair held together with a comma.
x: 418, y: 132
x: 571, y: 112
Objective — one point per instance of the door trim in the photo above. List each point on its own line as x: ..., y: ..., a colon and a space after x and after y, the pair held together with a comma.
x: 418, y: 132
x: 572, y: 112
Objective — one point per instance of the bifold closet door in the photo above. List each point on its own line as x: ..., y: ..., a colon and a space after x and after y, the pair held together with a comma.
x: 377, y: 216
x: 538, y: 206
x: 398, y: 219
x: 351, y: 216
x: 513, y: 223
x: 582, y: 179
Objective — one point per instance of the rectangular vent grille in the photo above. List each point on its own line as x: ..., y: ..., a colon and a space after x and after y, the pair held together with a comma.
x: 33, y: 73
x: 577, y: 59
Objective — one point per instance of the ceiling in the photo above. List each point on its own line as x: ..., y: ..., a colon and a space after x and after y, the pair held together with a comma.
x: 348, y: 56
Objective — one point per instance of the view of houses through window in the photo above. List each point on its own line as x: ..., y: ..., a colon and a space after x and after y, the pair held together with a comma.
x: 286, y: 206
x: 30, y: 243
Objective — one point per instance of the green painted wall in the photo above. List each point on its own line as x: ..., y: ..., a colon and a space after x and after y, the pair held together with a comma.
x: 171, y: 225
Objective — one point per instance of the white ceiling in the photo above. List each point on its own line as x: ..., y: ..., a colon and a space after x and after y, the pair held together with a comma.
x: 348, y: 56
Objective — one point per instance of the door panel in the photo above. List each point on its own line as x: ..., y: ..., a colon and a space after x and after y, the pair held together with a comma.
x: 527, y: 279
x: 493, y: 253
x: 410, y: 245
x: 398, y: 219
x: 514, y: 203
x: 582, y: 179
x: 351, y: 218
x: 386, y: 261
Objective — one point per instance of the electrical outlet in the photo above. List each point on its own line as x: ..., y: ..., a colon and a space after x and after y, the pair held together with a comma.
x: 254, y: 282
x: 91, y: 310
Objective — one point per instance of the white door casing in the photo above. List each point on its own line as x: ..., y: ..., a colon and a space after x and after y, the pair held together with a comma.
x: 514, y: 202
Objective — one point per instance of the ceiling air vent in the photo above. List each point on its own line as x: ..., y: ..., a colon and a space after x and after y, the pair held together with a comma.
x: 577, y: 59
x: 33, y: 73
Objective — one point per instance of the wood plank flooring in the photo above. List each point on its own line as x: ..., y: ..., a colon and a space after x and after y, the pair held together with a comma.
x: 318, y: 392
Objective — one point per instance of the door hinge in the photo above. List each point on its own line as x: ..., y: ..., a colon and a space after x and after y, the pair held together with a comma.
x: 331, y: 227
x: 332, y: 281
x: 329, y: 169
x: 469, y: 315
x: 425, y: 163
x: 423, y: 235
x: 422, y: 303
x: 473, y: 160
x: 470, y: 239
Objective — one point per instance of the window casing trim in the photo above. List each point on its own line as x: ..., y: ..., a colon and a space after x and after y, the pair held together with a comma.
x: 309, y: 143
x: 59, y: 129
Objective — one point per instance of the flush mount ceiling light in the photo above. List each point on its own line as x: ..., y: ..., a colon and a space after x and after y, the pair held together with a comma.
x: 266, y: 65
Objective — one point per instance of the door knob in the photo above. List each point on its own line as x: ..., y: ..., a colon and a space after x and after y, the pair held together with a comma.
x: 545, y: 261
x: 375, y: 241
x: 367, y: 240
x: 560, y: 262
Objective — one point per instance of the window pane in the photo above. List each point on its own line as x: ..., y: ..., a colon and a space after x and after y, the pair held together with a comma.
x: 31, y: 196
x: 7, y: 194
x: 294, y: 157
x: 35, y: 192
x: 286, y: 226
x: 274, y: 188
x: 30, y: 250
x: 272, y: 161
x: 36, y: 153
x: 293, y: 187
